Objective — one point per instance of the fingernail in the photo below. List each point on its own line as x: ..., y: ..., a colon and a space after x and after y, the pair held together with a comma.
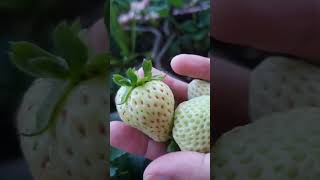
x: 157, y: 178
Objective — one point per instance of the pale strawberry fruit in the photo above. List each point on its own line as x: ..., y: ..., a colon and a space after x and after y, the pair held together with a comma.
x: 146, y: 103
x: 191, y: 130
x: 62, y: 120
x: 76, y: 147
x: 198, y: 88
x: 279, y: 84
x: 281, y: 146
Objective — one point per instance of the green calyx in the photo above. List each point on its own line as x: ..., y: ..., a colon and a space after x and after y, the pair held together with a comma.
x: 73, y: 62
x: 173, y: 146
x: 132, y: 81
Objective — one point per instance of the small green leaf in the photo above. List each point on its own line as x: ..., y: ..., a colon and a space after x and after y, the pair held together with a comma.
x: 76, y: 26
x: 48, y: 68
x: 132, y: 76
x: 126, y: 95
x: 176, y: 3
x: 113, y: 171
x: 120, y: 80
x: 158, y: 77
x: 147, y: 67
x: 70, y: 47
x: 115, y: 153
x: 37, y: 62
x: 173, y: 146
x: 99, y: 64
x: 25, y: 50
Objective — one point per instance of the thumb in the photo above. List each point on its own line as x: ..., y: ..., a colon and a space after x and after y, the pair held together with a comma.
x: 179, y: 166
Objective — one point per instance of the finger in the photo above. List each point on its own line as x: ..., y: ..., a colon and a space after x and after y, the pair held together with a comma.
x: 179, y: 166
x: 98, y: 37
x: 133, y: 141
x: 192, y: 66
x: 231, y: 95
x: 286, y: 26
x: 179, y: 88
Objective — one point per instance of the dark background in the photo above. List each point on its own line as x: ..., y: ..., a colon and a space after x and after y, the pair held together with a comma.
x: 29, y: 20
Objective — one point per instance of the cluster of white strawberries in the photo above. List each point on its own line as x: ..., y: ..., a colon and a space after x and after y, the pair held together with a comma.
x: 147, y: 103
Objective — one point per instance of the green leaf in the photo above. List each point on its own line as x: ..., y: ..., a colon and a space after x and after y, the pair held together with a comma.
x: 99, y: 64
x: 113, y: 171
x: 120, y: 80
x: 126, y: 95
x: 173, y: 146
x: 158, y: 77
x: 147, y: 67
x: 132, y: 76
x: 115, y: 153
x: 76, y: 26
x: 176, y: 3
x: 117, y: 31
x: 27, y: 50
x: 48, y: 68
x: 37, y: 62
x: 70, y: 46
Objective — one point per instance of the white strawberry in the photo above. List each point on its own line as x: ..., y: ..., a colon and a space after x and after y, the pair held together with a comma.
x: 62, y: 120
x: 279, y: 84
x: 146, y: 103
x: 281, y: 146
x: 198, y: 88
x: 191, y: 129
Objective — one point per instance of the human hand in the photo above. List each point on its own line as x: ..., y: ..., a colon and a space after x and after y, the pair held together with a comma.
x: 181, y: 165
x: 287, y: 26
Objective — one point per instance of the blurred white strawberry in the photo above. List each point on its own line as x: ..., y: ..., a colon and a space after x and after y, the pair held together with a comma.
x: 62, y: 120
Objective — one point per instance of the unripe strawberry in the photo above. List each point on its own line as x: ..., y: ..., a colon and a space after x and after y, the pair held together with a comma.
x: 280, y: 84
x: 191, y: 129
x: 146, y: 103
x: 281, y: 146
x: 198, y: 88
x: 62, y: 120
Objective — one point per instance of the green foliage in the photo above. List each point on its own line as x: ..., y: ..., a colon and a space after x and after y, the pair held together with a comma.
x: 126, y: 166
x: 70, y: 46
x: 187, y: 33
x: 173, y: 146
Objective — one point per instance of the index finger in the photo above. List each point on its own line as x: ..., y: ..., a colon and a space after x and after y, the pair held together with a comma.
x: 278, y: 26
x: 191, y: 65
x: 98, y: 37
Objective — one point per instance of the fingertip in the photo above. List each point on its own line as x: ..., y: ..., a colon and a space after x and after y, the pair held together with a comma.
x: 176, y: 62
x: 98, y: 37
x: 191, y: 65
x: 179, y: 166
x: 140, y: 72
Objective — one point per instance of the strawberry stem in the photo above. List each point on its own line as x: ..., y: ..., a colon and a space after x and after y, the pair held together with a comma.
x: 132, y: 81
